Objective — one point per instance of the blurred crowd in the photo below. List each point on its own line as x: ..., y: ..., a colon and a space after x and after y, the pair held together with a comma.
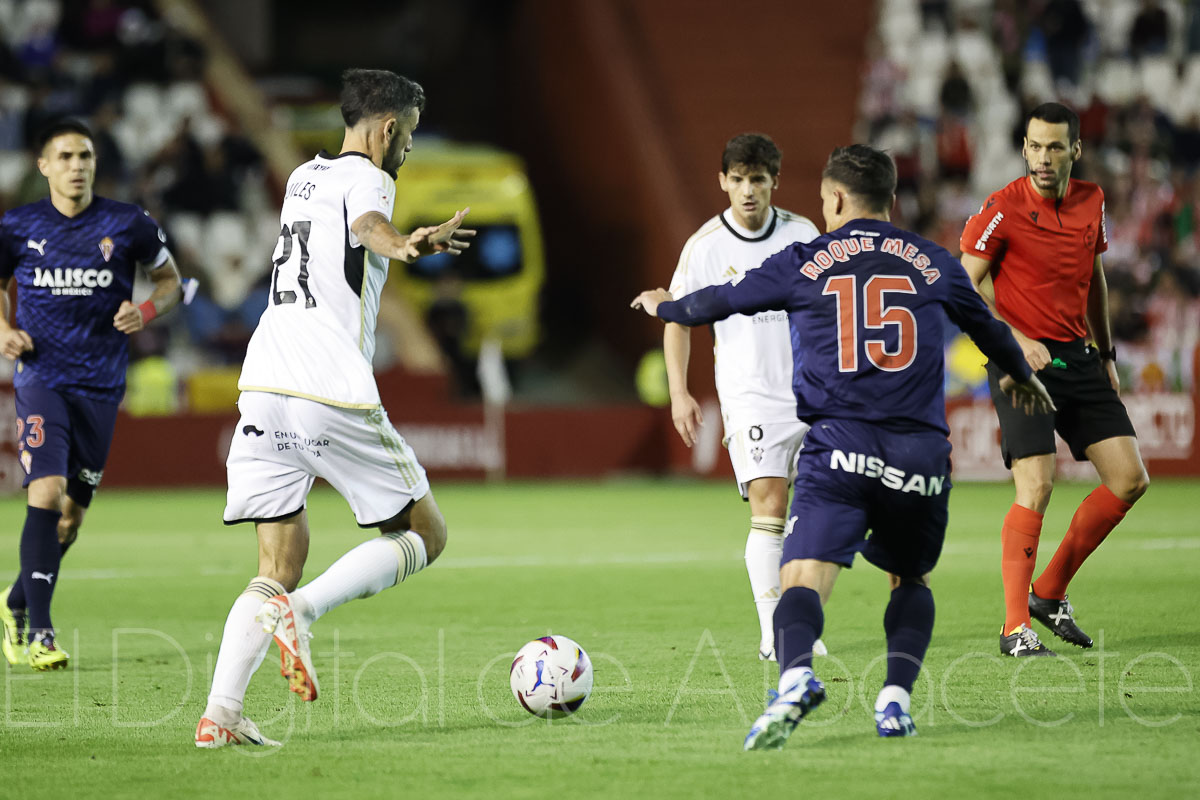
x: 137, y: 80
x: 946, y: 91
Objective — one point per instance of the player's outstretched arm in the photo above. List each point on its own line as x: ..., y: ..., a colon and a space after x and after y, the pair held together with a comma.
x: 1030, y: 396
x: 760, y: 289
x: 13, y: 341
x: 377, y: 234
x: 685, y: 411
x: 1036, y: 354
x: 166, y: 295
x: 445, y: 238
x: 650, y: 300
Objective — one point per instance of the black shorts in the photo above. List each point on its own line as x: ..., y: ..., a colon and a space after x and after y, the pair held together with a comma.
x: 1089, y: 409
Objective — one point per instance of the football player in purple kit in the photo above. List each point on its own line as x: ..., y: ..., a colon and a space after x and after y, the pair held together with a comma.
x: 73, y: 257
x: 867, y: 304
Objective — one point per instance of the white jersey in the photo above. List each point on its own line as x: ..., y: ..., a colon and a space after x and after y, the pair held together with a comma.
x: 317, y: 336
x: 753, y: 354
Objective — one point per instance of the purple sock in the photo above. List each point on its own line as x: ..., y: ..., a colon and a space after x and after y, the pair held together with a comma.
x: 40, y: 557
x: 16, y: 596
x: 908, y: 623
x: 799, y: 620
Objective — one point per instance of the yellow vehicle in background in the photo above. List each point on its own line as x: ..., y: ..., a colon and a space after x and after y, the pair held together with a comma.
x: 498, y: 279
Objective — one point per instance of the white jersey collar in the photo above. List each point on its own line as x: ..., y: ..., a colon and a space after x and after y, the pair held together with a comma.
x: 745, y: 234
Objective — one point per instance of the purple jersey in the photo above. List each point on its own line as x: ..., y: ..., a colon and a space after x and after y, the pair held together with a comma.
x: 72, y: 274
x: 867, y: 305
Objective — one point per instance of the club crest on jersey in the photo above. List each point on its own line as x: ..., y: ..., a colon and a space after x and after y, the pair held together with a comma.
x: 1089, y: 237
x: 106, y: 248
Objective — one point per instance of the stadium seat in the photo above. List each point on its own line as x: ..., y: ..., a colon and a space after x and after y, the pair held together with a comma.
x: 976, y: 54
x: 185, y: 99
x: 13, y: 166
x: 225, y: 259
x: 1037, y: 80
x: 1157, y: 76
x: 187, y: 232
x: 1188, y: 96
x: 1116, y: 81
x: 143, y: 102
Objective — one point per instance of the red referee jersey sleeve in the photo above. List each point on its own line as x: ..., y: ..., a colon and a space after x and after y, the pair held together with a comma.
x: 985, y: 234
x: 1102, y: 239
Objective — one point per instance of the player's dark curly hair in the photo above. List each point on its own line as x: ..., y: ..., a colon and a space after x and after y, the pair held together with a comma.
x: 1056, y: 114
x: 752, y: 150
x: 60, y: 126
x: 369, y: 93
x: 868, y: 173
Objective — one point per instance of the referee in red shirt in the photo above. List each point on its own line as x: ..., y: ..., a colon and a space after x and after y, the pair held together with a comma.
x: 1033, y: 251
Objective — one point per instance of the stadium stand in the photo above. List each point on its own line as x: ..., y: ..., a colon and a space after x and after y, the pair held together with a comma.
x: 139, y: 79
x: 951, y: 111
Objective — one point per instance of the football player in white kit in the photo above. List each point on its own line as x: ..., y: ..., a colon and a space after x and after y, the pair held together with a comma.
x: 753, y: 359
x: 310, y: 407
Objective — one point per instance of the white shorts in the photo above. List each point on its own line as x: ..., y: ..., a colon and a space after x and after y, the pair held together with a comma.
x: 281, y: 444
x: 765, y: 451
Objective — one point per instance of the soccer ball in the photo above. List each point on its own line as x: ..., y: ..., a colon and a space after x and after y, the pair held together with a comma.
x: 551, y: 677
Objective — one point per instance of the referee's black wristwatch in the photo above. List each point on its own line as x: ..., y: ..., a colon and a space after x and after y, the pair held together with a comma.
x: 1108, y: 355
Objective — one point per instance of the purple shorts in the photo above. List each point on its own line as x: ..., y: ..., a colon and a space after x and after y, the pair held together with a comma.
x: 854, y: 477
x: 64, y: 434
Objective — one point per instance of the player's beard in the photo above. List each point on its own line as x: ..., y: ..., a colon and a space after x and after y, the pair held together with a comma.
x: 393, y: 159
x: 1047, y: 184
x: 1054, y: 180
x: 1048, y: 178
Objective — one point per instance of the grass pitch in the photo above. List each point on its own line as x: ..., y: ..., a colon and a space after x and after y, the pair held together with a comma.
x: 648, y: 577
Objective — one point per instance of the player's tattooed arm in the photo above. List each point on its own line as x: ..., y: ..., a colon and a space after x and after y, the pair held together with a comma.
x: 377, y: 234
x: 13, y: 341
x: 166, y: 295
x: 979, y: 269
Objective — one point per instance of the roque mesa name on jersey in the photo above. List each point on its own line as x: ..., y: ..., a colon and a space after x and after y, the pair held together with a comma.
x: 72, y: 281
x: 842, y: 250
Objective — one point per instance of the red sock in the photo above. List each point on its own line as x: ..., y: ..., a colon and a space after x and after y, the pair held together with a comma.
x: 1098, y: 514
x: 1018, y: 556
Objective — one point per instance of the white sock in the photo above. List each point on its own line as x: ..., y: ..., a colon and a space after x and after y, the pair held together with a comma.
x: 243, y: 646
x: 366, y: 570
x: 764, y: 549
x: 792, y: 676
x: 892, y: 694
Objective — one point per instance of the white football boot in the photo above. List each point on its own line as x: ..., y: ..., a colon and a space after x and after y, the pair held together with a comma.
x: 292, y: 635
